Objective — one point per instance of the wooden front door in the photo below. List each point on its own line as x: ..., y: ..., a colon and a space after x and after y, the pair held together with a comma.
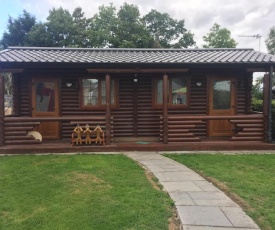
x: 45, y: 103
x: 221, y: 103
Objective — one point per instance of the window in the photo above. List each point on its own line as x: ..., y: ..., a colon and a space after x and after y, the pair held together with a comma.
x: 94, y: 93
x: 178, y: 90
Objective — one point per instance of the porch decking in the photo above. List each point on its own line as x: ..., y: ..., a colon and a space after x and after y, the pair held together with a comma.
x: 64, y: 146
x: 248, y: 135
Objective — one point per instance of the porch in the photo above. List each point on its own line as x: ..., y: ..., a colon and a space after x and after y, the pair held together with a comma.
x: 177, y: 133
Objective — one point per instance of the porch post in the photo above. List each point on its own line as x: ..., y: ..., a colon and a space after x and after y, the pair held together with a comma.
x: 269, y: 129
x: 265, y: 94
x: 2, y: 112
x: 108, y: 109
x: 165, y: 109
x: 267, y: 99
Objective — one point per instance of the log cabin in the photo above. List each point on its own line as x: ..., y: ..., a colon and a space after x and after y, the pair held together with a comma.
x: 169, y: 97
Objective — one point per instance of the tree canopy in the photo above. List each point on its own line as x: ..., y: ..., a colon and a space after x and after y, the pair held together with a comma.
x: 270, y: 41
x: 166, y: 31
x: 219, y: 38
x: 130, y: 32
x: 107, y: 28
x: 17, y: 30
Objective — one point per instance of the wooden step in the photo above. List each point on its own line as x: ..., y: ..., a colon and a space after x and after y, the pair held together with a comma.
x: 247, y: 121
x: 16, y: 124
x: 178, y: 135
x: 26, y: 137
x: 252, y: 130
x: 185, y: 122
x: 15, y: 133
x: 184, y: 139
x: 183, y: 135
x: 20, y: 142
x: 26, y: 128
x: 247, y: 139
x: 178, y: 130
x: 250, y: 125
x: 170, y: 127
x: 246, y: 134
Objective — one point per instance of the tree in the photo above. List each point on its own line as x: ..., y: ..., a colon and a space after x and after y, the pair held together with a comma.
x: 58, y: 31
x: 219, y: 38
x: 257, y: 89
x: 122, y: 29
x: 270, y: 41
x: 131, y: 32
x: 38, y: 36
x: 7, y: 83
x: 103, y: 27
x: 166, y: 31
x: 81, y: 26
x: 18, y: 30
x: 107, y: 28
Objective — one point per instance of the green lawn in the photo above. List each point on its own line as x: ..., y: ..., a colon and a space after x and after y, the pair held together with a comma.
x: 251, y: 177
x: 79, y: 192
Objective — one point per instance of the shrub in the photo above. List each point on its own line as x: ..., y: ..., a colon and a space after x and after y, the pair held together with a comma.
x: 257, y: 105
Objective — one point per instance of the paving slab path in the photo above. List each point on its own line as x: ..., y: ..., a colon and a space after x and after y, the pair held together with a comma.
x: 200, y: 205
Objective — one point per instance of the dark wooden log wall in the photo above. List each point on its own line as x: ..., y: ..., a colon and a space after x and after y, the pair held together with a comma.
x: 197, y: 106
x: 17, y: 132
x: 146, y: 119
x: 135, y: 115
x: 22, y: 95
x: 70, y: 101
x: 248, y: 127
x: 15, y: 94
x: 244, y: 95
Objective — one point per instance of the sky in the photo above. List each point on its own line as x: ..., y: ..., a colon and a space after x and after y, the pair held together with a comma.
x: 241, y: 17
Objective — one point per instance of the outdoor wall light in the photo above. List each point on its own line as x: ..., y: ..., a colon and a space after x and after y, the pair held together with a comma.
x: 69, y: 84
x: 135, y: 78
x: 199, y: 83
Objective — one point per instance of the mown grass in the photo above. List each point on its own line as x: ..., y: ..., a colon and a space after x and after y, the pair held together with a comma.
x: 251, y: 177
x: 79, y: 192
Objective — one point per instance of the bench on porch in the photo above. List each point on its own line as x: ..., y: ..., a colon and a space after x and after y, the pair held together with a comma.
x: 83, y: 134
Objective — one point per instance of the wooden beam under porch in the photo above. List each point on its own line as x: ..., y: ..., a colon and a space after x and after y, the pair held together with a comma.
x: 64, y: 146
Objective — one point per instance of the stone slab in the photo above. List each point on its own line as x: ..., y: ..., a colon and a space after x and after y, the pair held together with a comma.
x: 180, y: 186
x: 215, y: 198
x: 206, y: 186
x: 238, y: 217
x: 178, y: 176
x: 181, y: 198
x: 207, y: 195
x: 190, y: 227
x: 203, y: 216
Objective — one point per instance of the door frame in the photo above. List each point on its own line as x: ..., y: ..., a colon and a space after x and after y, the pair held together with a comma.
x: 233, y: 101
x: 55, y: 113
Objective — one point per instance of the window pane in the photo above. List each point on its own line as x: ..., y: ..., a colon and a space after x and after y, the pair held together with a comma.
x: 45, y: 96
x: 221, y: 95
x: 179, y: 91
x: 103, y: 92
x: 159, y: 92
x: 90, y: 91
x: 92, y: 96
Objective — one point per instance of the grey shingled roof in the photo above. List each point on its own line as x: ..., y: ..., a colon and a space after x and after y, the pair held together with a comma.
x: 79, y: 55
